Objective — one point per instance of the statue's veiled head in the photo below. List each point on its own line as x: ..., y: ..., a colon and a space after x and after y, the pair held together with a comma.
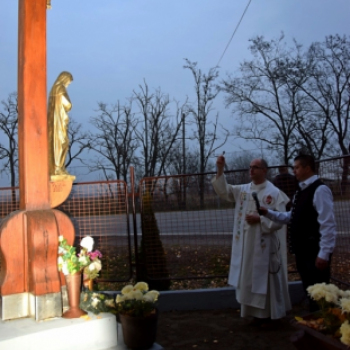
x: 64, y: 78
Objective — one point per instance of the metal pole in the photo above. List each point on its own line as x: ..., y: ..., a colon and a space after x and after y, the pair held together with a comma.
x: 183, y: 145
x: 184, y: 159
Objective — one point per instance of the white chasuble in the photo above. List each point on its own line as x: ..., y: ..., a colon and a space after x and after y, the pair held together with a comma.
x: 257, y: 269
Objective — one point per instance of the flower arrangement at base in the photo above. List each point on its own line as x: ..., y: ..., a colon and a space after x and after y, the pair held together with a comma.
x: 334, y: 315
x: 70, y: 263
x: 136, y: 300
x: 97, y: 302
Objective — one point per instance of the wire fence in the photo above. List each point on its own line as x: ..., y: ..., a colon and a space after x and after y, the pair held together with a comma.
x: 175, y: 228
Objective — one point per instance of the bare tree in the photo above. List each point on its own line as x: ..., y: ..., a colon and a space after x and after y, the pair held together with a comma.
x: 267, y: 107
x: 206, y: 132
x: 114, y: 142
x: 330, y: 90
x: 329, y: 86
x: 9, y: 128
x: 78, y: 142
x: 156, y: 133
x: 284, y: 97
x: 313, y: 134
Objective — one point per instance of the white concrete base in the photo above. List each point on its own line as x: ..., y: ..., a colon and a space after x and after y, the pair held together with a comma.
x: 97, y: 332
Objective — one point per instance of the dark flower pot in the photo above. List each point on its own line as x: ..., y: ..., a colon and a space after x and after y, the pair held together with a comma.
x: 139, y: 332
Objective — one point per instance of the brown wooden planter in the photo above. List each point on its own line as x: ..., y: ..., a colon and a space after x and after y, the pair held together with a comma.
x: 307, y: 338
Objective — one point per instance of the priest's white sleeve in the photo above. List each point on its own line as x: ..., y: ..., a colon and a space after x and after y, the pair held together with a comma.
x: 223, y: 189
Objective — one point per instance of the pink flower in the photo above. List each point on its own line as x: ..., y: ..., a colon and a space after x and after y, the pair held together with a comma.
x: 95, y: 254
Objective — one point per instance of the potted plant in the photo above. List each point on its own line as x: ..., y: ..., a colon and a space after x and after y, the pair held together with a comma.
x: 328, y: 328
x: 136, y: 307
x: 72, y: 264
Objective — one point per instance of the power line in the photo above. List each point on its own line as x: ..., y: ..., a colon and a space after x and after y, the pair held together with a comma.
x: 234, y: 32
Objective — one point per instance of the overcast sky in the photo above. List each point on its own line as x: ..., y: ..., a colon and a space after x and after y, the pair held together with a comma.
x: 110, y: 46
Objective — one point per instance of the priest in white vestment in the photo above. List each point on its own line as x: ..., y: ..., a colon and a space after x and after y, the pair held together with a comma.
x: 258, y: 268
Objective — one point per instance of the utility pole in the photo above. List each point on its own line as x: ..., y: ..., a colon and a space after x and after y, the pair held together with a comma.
x: 183, y: 161
x: 183, y: 144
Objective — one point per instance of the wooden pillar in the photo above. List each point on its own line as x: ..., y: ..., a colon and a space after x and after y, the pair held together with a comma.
x: 32, y: 106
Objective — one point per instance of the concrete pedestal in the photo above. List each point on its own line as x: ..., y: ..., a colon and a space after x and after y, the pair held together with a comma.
x: 98, y: 332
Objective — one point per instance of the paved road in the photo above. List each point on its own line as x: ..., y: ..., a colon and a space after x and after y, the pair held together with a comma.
x: 193, y: 223
x: 219, y: 222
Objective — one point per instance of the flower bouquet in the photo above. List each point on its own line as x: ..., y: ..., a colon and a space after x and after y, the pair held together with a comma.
x: 334, y: 315
x: 70, y: 263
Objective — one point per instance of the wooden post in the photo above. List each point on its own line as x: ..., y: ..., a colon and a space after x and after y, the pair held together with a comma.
x: 32, y: 109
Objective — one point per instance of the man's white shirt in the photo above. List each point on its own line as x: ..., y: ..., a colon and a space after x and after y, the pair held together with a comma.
x: 323, y: 204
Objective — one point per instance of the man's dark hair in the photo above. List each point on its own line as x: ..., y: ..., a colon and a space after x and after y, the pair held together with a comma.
x: 264, y: 163
x: 306, y: 160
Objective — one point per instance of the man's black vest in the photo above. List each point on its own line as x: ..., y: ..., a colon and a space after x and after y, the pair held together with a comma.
x: 304, y: 227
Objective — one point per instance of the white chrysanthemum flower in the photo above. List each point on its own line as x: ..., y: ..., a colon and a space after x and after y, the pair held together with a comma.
x: 110, y: 303
x: 87, y: 243
x: 60, y: 238
x: 345, y: 293
x: 60, y: 260
x: 149, y: 298
x: 328, y: 292
x: 98, y: 264
x: 317, y: 291
x: 345, y: 332
x: 83, y: 260
x: 135, y: 294
x: 94, y: 302
x: 142, y: 286
x: 345, y: 305
x: 95, y: 265
x: 138, y: 295
x: 331, y: 298
x: 152, y: 295
x: 127, y: 289
x: 120, y: 298
x: 332, y: 288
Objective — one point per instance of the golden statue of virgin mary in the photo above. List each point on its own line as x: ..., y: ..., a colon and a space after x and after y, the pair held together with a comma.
x: 58, y: 107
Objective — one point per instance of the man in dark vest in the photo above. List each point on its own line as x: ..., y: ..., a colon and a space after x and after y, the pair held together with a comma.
x: 311, y: 223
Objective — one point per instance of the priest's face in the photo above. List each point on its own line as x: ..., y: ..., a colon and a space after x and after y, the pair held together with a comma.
x: 257, y: 171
